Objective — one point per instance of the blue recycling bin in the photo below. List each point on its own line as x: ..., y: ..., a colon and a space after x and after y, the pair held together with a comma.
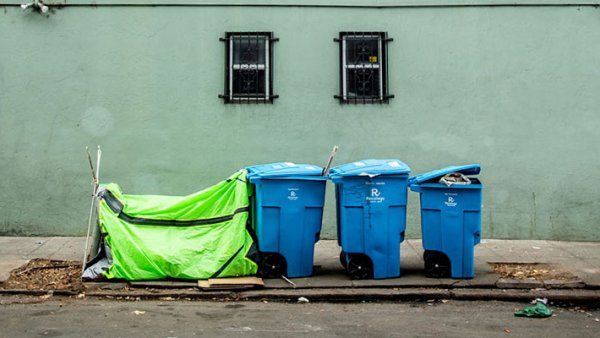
x: 371, y: 216
x: 287, y: 212
x: 450, y: 221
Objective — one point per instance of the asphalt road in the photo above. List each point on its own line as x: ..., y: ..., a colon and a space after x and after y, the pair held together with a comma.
x: 101, y: 318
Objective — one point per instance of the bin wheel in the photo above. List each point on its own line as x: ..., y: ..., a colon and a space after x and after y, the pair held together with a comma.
x: 343, y: 259
x: 359, y: 266
x: 437, y: 265
x: 272, y: 265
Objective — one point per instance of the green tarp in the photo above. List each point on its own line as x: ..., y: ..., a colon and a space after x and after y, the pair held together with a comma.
x: 199, y: 236
x: 539, y: 310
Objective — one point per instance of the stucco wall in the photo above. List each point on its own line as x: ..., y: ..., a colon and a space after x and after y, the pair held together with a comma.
x: 513, y: 88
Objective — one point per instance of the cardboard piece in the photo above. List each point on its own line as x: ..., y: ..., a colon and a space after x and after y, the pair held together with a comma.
x: 234, y: 283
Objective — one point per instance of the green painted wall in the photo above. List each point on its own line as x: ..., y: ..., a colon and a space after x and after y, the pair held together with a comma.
x: 514, y: 88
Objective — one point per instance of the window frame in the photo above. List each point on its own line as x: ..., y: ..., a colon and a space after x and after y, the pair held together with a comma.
x: 263, y: 97
x: 382, y: 55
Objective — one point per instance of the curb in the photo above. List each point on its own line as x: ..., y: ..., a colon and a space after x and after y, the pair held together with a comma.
x: 336, y: 295
x: 415, y: 294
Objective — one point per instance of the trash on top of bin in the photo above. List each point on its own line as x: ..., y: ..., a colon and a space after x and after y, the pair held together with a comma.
x: 287, y: 212
x: 450, y: 220
x: 371, y: 216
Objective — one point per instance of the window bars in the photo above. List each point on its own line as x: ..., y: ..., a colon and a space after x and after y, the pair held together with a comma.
x: 363, y: 67
x: 248, y: 67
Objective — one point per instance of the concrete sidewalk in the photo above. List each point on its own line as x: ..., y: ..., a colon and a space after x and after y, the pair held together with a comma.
x: 582, y: 259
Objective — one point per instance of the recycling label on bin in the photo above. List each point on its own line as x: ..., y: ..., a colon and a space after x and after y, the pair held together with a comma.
x: 451, y: 199
x: 374, y: 192
x: 293, y: 194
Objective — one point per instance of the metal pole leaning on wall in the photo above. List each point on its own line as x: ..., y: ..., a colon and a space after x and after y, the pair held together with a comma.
x: 93, y: 206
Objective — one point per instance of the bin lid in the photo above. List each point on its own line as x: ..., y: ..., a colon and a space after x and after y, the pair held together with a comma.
x: 468, y: 169
x: 282, y: 169
x: 371, y: 168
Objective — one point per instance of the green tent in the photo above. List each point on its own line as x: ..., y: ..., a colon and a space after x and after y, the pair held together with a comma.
x: 199, y: 236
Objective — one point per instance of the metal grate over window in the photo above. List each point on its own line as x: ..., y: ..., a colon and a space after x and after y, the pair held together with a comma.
x: 248, y: 67
x: 363, y: 67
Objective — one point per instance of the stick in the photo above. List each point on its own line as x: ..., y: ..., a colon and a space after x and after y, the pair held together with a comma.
x: 89, y: 157
x: 98, y: 157
x: 287, y: 280
x: 330, y: 161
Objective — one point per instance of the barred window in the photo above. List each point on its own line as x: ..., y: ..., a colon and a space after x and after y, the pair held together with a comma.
x: 248, y: 67
x: 363, y: 67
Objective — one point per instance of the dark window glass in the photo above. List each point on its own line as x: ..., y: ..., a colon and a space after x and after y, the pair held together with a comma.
x: 248, y: 82
x: 363, y: 83
x: 362, y: 50
x: 249, y: 50
x: 363, y: 71
x: 248, y: 72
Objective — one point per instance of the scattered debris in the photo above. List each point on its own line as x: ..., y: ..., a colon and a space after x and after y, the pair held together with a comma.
x: 46, y: 274
x: 507, y: 330
x: 536, y: 248
x: 537, y: 271
x: 303, y: 300
x: 138, y: 312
